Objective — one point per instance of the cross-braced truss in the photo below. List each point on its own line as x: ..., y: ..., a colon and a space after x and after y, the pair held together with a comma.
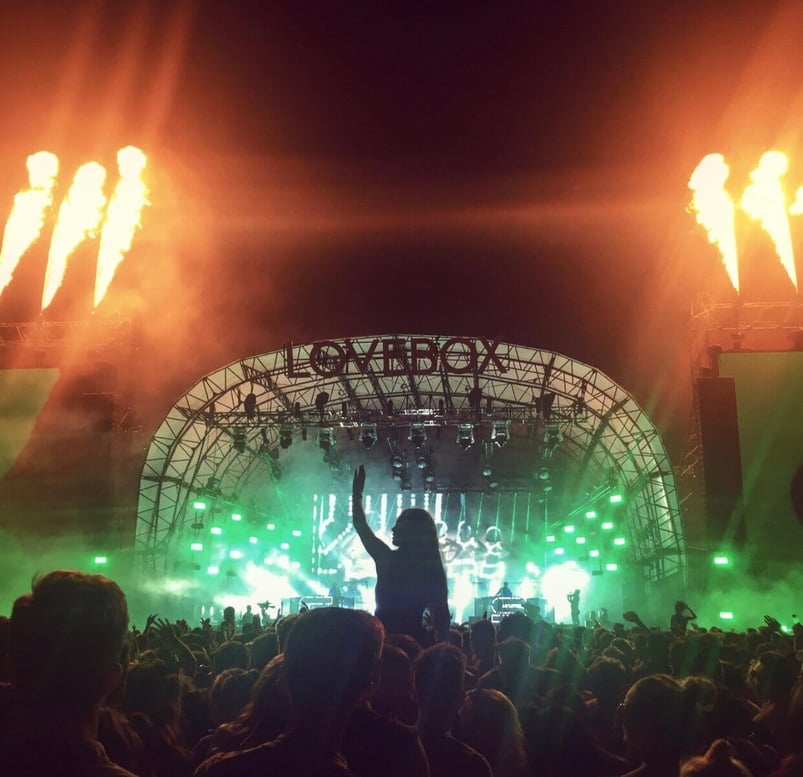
x: 223, y: 436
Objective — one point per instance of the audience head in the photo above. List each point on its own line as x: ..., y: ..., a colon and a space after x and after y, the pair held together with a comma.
x: 773, y: 675
x: 718, y: 761
x: 231, y: 655
x: 330, y: 660
x: 67, y: 639
x: 483, y: 640
x: 415, y: 528
x: 439, y: 683
x: 284, y: 627
x: 406, y: 642
x: 607, y: 680
x: 514, y: 655
x: 397, y: 673
x: 662, y: 717
x: 490, y: 724
x: 518, y: 625
x: 153, y: 689
x: 230, y: 693
x: 263, y: 649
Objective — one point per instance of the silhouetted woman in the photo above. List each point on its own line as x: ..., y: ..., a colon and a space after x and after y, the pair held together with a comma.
x: 409, y: 580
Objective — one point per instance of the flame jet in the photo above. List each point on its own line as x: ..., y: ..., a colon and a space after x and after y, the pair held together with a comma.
x: 130, y: 196
x: 796, y: 208
x: 714, y: 210
x: 27, y: 216
x: 79, y: 217
x: 764, y: 200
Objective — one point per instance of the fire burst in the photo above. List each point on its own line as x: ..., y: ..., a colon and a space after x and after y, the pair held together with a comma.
x: 27, y: 216
x: 796, y: 208
x: 130, y: 196
x: 715, y: 210
x: 764, y: 201
x: 79, y: 217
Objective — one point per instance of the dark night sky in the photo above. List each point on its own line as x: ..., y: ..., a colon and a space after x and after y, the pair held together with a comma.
x: 344, y: 168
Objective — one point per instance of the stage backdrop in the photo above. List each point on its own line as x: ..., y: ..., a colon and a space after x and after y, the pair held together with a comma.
x: 769, y: 400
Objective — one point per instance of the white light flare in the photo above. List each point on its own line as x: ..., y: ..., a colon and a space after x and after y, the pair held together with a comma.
x: 714, y: 210
x: 79, y: 217
x: 28, y: 213
x: 123, y: 217
x: 764, y: 200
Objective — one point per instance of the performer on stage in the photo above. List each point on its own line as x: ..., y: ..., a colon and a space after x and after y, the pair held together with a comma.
x: 574, y: 602
x: 410, y: 579
x: 505, y: 590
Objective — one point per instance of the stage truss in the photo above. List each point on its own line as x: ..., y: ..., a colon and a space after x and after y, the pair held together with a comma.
x: 222, y: 438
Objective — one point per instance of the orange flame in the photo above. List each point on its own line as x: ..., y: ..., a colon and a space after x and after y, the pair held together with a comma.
x: 715, y: 210
x: 27, y: 216
x: 79, y: 217
x: 796, y: 208
x: 764, y: 200
x: 130, y: 196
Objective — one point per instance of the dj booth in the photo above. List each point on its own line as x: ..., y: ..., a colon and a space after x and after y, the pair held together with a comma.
x: 313, y: 602
x: 496, y: 607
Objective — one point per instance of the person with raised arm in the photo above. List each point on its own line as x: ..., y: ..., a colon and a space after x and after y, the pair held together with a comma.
x: 409, y: 580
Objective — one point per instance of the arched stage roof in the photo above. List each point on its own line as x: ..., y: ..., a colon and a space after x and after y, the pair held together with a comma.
x: 529, y: 421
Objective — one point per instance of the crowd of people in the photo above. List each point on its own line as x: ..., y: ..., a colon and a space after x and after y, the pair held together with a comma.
x: 333, y: 692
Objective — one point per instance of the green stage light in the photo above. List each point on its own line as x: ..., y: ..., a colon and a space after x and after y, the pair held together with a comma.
x: 216, y: 530
x: 726, y: 616
x: 235, y: 554
x: 199, y: 505
x: 591, y: 514
x: 253, y: 540
x: 550, y: 538
x: 271, y: 527
x: 607, y: 525
x: 615, y: 499
x: 721, y: 561
x: 569, y: 529
x: 559, y: 551
x: 284, y: 545
x: 213, y: 570
x: 611, y: 567
x: 236, y: 517
x: 619, y: 541
x: 593, y: 553
x: 196, y: 546
x: 100, y: 560
x: 580, y: 540
x: 296, y: 532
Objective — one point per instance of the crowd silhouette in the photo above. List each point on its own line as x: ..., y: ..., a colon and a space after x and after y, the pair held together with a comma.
x: 333, y: 691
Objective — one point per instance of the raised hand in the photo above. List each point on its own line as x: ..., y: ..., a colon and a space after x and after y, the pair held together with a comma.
x: 358, y: 485
x: 167, y: 634
x: 773, y: 624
